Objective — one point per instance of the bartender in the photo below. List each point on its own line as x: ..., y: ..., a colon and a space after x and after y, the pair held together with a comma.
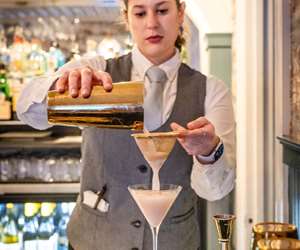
x: 176, y: 98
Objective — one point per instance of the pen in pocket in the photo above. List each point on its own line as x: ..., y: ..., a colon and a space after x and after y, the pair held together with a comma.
x: 100, y: 196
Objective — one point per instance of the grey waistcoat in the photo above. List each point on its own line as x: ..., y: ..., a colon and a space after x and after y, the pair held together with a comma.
x: 111, y: 157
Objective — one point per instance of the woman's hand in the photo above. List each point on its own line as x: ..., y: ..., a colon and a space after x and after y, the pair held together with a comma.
x: 82, y: 80
x: 198, y: 138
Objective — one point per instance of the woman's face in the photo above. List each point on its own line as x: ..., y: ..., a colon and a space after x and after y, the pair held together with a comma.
x: 154, y: 25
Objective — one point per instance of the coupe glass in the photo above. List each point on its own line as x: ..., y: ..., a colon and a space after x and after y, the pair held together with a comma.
x: 154, y: 204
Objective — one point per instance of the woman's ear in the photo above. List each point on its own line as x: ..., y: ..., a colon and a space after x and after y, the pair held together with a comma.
x: 125, y: 17
x: 181, y: 12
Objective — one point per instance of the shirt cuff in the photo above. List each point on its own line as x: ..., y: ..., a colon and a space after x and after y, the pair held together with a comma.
x: 41, y: 93
x: 29, y: 97
x: 212, y: 181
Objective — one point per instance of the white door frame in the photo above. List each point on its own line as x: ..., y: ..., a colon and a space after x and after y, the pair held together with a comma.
x: 250, y: 118
x: 262, y: 110
x: 281, y: 105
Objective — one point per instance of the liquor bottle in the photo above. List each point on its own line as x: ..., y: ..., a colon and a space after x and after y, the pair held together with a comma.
x: 62, y: 243
x: 37, y: 59
x: 5, y: 104
x: 56, y: 58
x: 18, y: 53
x: 20, y: 216
x: 120, y: 108
x: 2, y: 216
x: 47, y: 237
x: 16, y: 85
x: 20, y: 219
x: 4, y: 87
x: 10, y: 238
x: 4, y: 51
x: 30, y: 237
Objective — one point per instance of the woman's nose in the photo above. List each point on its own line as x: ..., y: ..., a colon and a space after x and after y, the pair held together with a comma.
x: 152, y: 20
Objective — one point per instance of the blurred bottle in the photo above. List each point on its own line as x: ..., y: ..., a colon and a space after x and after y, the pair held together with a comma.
x: 37, y: 60
x: 10, y: 237
x: 20, y: 219
x: 4, y: 51
x: 4, y: 87
x: 15, y: 85
x: 37, y: 209
x: 2, y: 215
x: 91, y: 48
x: 109, y: 47
x: 56, y: 58
x: 46, y: 233
x: 62, y: 227
x: 5, y: 103
x: 19, y: 51
x: 30, y: 236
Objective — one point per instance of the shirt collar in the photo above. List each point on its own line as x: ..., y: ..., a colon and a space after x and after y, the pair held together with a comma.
x: 141, y: 64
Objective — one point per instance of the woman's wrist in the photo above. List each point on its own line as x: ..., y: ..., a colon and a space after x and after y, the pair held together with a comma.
x: 214, y: 144
x: 214, y: 155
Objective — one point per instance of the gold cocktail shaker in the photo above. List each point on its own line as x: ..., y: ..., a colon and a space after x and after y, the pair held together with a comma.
x: 121, y: 108
x: 279, y: 244
x: 271, y: 230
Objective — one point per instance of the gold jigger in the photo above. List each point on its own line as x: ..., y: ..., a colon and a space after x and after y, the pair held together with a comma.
x: 224, y: 224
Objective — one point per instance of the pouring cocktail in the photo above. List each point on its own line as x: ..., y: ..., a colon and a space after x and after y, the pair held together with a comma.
x: 156, y: 148
x: 155, y: 200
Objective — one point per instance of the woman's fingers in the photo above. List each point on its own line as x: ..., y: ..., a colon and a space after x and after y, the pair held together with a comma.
x: 204, y: 131
x: 61, y: 83
x: 74, y: 82
x: 198, y: 123
x: 182, y: 130
x: 86, y: 82
x: 104, y: 79
x: 82, y: 81
x: 90, y: 77
x: 198, y: 138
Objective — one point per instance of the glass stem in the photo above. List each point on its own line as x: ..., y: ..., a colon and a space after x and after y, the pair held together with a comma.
x: 225, y: 246
x: 154, y: 237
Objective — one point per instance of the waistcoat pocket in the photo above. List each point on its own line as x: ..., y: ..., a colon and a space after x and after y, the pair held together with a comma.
x: 82, y: 227
x: 92, y: 211
x: 182, y: 217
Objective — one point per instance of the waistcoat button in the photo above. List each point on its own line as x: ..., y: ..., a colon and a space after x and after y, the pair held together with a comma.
x: 142, y: 168
x: 136, y: 223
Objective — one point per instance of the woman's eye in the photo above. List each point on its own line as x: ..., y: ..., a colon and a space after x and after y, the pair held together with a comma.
x: 162, y: 11
x: 140, y: 14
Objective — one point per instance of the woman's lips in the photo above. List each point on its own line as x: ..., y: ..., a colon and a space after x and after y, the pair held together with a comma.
x: 154, y: 39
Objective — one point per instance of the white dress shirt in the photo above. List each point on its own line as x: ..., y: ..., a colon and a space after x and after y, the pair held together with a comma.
x: 210, y: 181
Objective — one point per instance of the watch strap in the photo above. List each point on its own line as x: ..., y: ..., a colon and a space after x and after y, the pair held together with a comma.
x: 214, y: 155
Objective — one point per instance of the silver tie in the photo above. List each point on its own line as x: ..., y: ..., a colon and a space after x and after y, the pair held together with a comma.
x: 153, y: 99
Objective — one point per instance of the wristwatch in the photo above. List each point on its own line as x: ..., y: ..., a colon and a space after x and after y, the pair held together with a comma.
x: 214, y: 155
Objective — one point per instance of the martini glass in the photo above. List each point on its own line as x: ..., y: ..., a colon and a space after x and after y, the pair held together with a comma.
x: 154, y: 204
x: 156, y: 148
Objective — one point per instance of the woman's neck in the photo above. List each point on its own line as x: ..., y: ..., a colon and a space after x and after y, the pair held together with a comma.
x: 157, y: 60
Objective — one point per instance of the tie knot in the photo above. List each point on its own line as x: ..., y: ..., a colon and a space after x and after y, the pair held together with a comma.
x: 156, y: 75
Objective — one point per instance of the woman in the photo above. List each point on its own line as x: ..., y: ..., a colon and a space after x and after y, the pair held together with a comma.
x: 190, y: 102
